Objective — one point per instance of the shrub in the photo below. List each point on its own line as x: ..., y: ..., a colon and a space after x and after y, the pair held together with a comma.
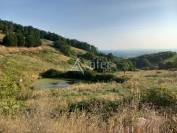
x: 125, y: 65
x: 121, y: 79
x: 104, y: 77
x: 9, y: 87
x: 101, y: 107
x: 94, y: 106
x: 90, y: 76
x: 73, y: 74
x: 51, y: 73
x: 9, y: 90
x: 10, y: 39
x: 159, y: 97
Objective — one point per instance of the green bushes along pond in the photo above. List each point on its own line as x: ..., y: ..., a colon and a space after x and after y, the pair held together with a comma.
x: 89, y: 76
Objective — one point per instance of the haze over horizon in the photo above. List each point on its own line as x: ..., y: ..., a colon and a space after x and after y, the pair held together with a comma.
x: 107, y: 24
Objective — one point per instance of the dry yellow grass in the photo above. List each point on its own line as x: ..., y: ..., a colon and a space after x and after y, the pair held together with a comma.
x: 42, y: 108
x: 126, y: 121
x: 77, y: 50
x: 46, y: 42
x: 49, y: 111
x: 2, y: 36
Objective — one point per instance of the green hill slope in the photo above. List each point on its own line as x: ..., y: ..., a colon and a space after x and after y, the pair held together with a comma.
x: 155, y: 60
x: 27, y: 65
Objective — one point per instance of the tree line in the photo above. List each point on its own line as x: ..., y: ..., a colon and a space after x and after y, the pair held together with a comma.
x: 18, y: 35
x: 28, y: 36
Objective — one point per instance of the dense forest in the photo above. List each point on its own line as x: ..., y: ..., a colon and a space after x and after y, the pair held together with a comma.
x: 27, y: 36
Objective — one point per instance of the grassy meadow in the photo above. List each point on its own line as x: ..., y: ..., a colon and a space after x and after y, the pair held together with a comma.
x: 146, y: 103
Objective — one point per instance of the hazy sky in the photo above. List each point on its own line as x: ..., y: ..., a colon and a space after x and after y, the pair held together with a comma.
x: 108, y: 24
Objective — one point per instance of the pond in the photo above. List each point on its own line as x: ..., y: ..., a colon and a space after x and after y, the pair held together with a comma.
x: 52, y: 84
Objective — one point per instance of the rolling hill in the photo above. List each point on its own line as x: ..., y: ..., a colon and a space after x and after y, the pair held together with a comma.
x: 155, y: 60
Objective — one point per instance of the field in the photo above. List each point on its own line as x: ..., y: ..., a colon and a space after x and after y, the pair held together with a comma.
x: 146, y: 103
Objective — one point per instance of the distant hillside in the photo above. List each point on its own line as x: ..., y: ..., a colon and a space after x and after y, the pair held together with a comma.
x: 162, y: 60
x: 135, y: 53
x: 16, y: 35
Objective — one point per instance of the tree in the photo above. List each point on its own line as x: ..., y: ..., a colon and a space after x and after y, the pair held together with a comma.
x: 32, y: 41
x: 10, y: 39
x: 142, y: 62
x: 124, y: 66
x: 29, y: 41
x: 110, y: 56
x: 63, y: 47
x: 131, y: 66
x: 20, y: 39
x: 34, y: 35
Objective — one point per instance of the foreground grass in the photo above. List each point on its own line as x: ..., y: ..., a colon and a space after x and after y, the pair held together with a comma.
x: 146, y: 103
x: 99, y: 108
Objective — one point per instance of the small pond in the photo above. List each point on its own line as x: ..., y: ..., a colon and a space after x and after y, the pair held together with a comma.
x: 51, y: 84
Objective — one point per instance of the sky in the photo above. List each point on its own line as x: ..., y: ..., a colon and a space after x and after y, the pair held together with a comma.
x: 107, y: 24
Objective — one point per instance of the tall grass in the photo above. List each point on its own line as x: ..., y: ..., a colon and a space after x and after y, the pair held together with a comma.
x: 145, y: 103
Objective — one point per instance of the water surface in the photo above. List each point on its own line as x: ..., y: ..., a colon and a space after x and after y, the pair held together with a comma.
x: 51, y: 84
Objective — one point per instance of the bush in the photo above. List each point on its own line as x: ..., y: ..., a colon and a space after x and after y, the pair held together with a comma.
x: 94, y: 106
x: 125, y: 65
x: 9, y: 87
x: 101, y: 107
x: 73, y: 74
x: 104, y: 77
x: 51, y: 73
x: 90, y: 76
x: 121, y: 79
x: 159, y: 97
x: 9, y: 91
x: 10, y: 39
